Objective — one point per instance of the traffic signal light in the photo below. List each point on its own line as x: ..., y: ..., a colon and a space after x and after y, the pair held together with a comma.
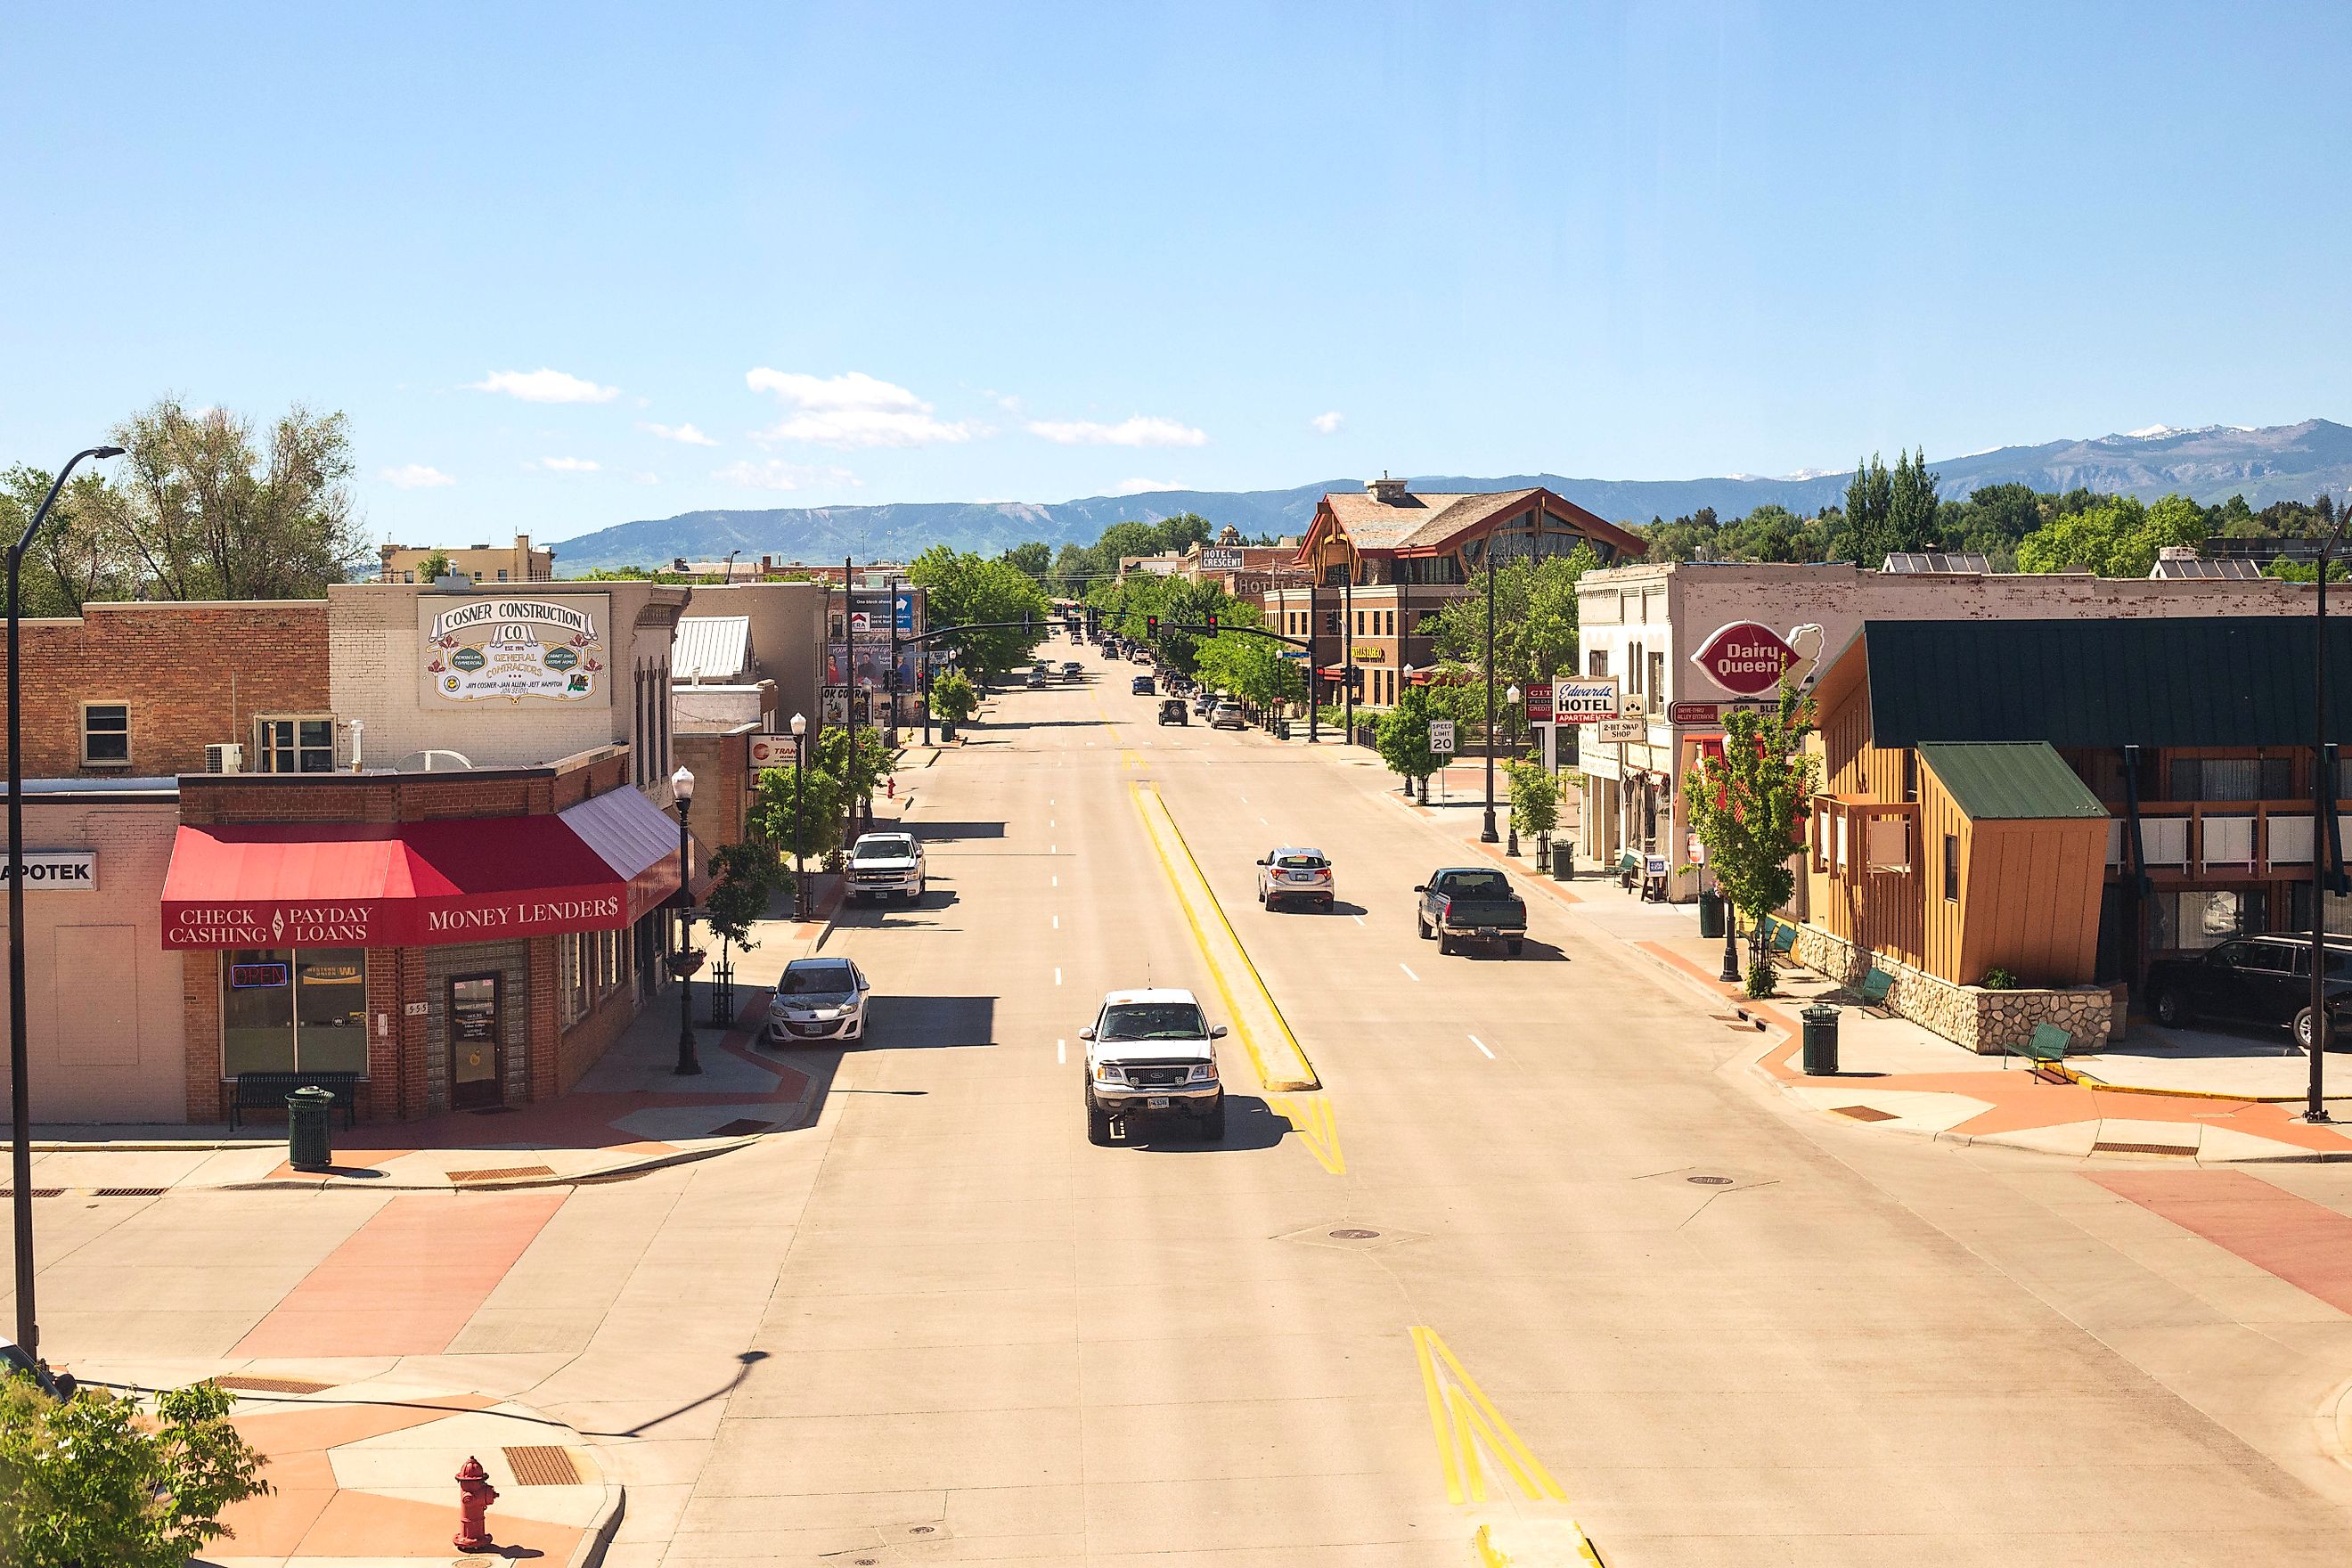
x: 1152, y: 627
x: 1356, y: 680
x: 1213, y: 623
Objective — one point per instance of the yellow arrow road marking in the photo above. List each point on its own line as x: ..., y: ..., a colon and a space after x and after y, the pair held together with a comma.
x: 1311, y: 1118
x: 1464, y: 1422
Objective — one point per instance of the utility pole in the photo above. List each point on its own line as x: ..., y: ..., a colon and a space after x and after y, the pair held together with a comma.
x: 1314, y: 669
x: 2323, y: 808
x: 1486, y: 834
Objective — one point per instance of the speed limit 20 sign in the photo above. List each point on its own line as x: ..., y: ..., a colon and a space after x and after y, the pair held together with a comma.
x: 1586, y: 699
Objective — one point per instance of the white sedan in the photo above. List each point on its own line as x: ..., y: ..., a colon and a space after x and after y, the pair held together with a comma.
x: 818, y: 999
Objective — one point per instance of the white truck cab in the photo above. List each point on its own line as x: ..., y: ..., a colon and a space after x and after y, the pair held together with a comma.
x: 1153, y: 1053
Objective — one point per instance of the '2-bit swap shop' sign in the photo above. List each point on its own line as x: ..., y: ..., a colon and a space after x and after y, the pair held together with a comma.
x: 1745, y: 658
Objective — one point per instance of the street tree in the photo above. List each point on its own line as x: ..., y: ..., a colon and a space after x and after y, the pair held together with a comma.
x: 1535, y: 622
x: 1402, y: 738
x: 808, y: 797
x: 966, y: 589
x: 954, y: 699
x: 1534, y: 798
x: 749, y: 875
x: 434, y: 567
x: 97, y: 1479
x: 73, y: 560
x: 1745, y: 806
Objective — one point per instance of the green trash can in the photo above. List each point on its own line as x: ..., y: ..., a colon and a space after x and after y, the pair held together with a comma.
x: 307, y: 1111
x: 1821, y: 1041
x: 1710, y: 916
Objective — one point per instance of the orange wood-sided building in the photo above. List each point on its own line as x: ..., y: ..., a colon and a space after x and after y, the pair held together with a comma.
x: 2064, y: 800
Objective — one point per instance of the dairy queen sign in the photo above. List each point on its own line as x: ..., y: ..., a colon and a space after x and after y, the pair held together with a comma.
x: 1745, y: 658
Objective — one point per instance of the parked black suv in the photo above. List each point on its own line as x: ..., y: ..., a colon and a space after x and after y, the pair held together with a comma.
x: 2253, y: 980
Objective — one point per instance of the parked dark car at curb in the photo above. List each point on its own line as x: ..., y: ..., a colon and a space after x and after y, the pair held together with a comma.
x: 2254, y: 979
x: 1470, y: 903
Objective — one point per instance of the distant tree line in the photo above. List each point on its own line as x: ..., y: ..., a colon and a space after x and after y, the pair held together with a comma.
x: 2013, y: 526
x: 1069, y: 572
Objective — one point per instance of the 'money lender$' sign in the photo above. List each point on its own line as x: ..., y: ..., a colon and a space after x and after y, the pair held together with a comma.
x: 1745, y: 658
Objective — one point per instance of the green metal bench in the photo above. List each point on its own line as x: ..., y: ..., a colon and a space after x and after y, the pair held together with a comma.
x: 1872, y: 993
x: 2045, y: 1047
x: 1783, y: 943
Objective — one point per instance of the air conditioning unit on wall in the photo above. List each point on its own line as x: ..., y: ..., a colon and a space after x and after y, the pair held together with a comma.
x: 224, y: 758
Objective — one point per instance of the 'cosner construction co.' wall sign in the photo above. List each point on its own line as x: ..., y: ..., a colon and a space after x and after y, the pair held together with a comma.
x: 534, y: 652
x: 1745, y: 658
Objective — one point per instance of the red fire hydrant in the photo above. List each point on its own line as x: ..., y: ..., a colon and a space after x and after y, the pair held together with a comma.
x: 475, y: 1495
x: 891, y: 787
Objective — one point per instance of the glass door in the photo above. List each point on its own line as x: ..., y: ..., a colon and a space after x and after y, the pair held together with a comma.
x: 475, y: 1044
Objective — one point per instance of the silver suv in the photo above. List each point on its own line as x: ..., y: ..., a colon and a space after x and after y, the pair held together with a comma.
x: 1153, y: 1053
x: 883, y: 864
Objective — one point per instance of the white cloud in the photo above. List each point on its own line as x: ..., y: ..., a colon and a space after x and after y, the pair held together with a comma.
x: 774, y: 475
x: 1141, y: 487
x: 414, y: 477
x: 1142, y: 430
x: 544, y: 386
x: 1328, y: 423
x: 570, y: 464
x: 853, y: 409
x: 685, y: 434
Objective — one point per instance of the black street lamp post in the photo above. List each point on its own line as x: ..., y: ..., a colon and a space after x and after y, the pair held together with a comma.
x: 2322, y: 790
x: 1486, y: 834
x: 28, y: 1327
x: 800, y: 874
x: 1510, y: 702
x: 1314, y: 674
x: 681, y: 784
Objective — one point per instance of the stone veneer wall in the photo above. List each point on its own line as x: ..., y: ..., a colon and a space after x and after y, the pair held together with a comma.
x: 1986, y: 1022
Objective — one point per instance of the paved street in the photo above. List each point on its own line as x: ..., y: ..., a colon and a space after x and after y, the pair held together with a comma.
x: 1542, y: 1254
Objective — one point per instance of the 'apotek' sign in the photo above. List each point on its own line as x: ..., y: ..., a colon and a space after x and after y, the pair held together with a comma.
x: 57, y: 870
x: 1745, y: 658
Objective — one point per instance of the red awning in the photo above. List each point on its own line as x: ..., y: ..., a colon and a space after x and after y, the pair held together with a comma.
x: 417, y: 884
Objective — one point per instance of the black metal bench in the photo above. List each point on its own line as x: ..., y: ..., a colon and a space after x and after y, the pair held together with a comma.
x: 267, y: 1092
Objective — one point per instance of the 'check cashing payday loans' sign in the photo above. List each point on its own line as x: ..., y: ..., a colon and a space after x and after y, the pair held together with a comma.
x: 521, y: 652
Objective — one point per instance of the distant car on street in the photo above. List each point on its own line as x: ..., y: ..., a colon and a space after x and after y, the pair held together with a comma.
x: 1142, y: 686
x: 1151, y: 1053
x: 1300, y: 874
x: 1173, y: 711
x: 1471, y: 903
x: 1204, y: 702
x: 882, y: 865
x: 1072, y: 670
x: 2254, y: 979
x: 1227, y: 716
x: 818, y: 999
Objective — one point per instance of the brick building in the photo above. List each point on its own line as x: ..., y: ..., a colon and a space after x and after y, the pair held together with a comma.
x: 446, y: 866
x: 137, y: 689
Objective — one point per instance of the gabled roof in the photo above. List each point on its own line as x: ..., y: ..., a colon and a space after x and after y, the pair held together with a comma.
x: 2222, y: 680
x: 711, y: 648
x: 1429, y: 524
x: 1993, y: 781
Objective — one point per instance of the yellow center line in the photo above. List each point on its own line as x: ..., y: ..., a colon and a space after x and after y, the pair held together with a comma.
x: 1463, y: 1421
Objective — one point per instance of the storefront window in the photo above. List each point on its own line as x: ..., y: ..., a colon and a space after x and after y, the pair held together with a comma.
x: 285, y: 1010
x: 2192, y: 922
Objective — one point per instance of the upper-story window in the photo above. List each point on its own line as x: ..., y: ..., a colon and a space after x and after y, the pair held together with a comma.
x: 106, y: 735
x: 1596, y: 662
x: 294, y: 745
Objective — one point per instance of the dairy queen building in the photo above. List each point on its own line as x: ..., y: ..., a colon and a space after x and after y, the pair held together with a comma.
x: 419, y: 838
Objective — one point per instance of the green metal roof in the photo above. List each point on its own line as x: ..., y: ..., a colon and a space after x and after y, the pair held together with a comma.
x: 2207, y: 680
x: 2001, y: 780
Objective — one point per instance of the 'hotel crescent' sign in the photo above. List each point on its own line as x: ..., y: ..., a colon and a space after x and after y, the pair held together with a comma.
x: 1745, y: 658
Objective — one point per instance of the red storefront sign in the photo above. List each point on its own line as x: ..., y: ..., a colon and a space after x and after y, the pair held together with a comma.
x: 1693, y: 713
x: 599, y: 866
x: 1539, y: 702
x: 1745, y: 658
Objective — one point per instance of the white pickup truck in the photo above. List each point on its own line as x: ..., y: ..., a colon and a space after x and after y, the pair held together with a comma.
x: 882, y: 865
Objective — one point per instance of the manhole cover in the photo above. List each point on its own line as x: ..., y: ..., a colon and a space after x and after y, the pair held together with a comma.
x: 1354, y: 1235
x: 1712, y: 1181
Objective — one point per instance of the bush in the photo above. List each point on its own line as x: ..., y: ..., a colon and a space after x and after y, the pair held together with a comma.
x: 953, y: 696
x: 95, y: 1480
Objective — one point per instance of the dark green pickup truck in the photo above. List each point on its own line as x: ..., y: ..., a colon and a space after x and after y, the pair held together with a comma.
x: 1470, y: 903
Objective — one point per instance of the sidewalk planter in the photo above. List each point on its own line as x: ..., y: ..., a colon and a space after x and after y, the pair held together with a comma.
x: 1986, y: 1022
x: 1821, y: 1041
x: 1710, y: 916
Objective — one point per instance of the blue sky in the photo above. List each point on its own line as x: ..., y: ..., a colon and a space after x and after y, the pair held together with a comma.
x: 908, y: 252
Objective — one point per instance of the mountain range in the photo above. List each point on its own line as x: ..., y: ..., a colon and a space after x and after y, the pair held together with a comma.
x: 2279, y: 462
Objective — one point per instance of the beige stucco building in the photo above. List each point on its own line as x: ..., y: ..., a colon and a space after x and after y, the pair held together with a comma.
x: 485, y: 563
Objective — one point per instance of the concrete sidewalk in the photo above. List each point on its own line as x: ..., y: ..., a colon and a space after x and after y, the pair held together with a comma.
x: 2172, y: 1095
x: 363, y: 1473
